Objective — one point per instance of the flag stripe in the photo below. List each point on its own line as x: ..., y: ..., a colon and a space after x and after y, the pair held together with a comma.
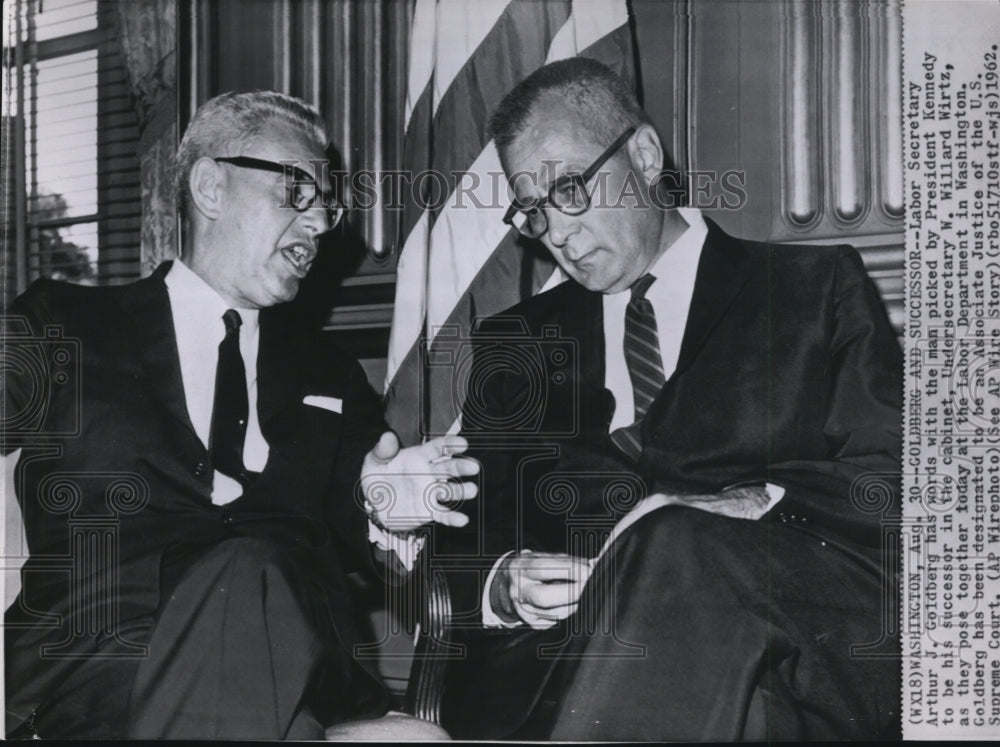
x: 454, y: 52
x: 410, y: 307
x: 416, y: 160
x: 461, y: 119
x: 470, y: 266
x: 463, y: 239
x: 447, y: 132
x: 423, y: 40
x: 495, y: 288
x: 412, y: 275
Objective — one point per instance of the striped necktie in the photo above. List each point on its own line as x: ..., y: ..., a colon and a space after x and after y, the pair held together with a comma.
x: 645, y: 367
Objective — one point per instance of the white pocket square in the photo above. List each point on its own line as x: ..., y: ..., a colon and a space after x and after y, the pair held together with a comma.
x: 333, y: 404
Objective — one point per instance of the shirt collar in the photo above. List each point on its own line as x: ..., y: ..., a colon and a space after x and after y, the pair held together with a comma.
x: 200, y: 302
x: 685, y: 249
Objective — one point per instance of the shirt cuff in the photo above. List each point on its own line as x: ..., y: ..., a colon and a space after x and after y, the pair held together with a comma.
x: 406, y: 546
x: 490, y: 618
x: 775, y: 493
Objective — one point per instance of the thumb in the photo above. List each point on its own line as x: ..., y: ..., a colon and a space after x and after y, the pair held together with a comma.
x: 387, y: 446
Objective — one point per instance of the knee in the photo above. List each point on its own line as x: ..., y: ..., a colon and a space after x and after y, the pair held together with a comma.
x: 684, y: 529
x: 243, y: 556
x: 688, y: 543
x: 252, y: 549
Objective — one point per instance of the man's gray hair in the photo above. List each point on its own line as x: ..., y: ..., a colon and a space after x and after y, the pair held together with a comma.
x: 226, y: 123
x: 603, y: 103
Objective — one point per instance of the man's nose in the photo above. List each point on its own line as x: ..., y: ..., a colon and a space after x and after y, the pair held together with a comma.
x: 316, y: 218
x: 561, y: 227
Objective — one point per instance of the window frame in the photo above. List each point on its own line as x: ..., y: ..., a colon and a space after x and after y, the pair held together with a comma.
x: 21, y: 62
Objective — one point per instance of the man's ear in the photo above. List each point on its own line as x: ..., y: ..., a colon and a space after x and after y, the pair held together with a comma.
x: 206, y: 183
x: 646, y: 152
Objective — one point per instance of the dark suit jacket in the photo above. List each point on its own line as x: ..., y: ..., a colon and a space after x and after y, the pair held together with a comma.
x: 789, y: 373
x: 109, y: 447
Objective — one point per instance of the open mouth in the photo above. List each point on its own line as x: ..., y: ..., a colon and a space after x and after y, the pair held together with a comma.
x: 299, y: 257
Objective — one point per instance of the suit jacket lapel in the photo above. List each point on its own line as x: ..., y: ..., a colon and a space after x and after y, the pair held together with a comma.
x: 146, y: 308
x: 593, y: 362
x: 721, y: 276
x: 584, y: 322
x: 278, y: 365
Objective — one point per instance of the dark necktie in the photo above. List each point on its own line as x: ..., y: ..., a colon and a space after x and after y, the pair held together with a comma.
x: 645, y: 367
x: 231, y: 407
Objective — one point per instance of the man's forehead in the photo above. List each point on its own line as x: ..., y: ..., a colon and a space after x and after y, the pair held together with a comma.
x: 284, y: 143
x: 551, y: 142
x: 281, y: 142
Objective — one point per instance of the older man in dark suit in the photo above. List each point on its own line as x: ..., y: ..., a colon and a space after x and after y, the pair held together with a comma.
x: 734, y: 395
x: 198, y: 482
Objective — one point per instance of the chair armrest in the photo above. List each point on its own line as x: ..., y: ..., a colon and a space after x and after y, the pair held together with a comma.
x: 433, y: 649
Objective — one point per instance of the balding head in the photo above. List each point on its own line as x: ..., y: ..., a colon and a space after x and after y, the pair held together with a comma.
x: 589, y: 93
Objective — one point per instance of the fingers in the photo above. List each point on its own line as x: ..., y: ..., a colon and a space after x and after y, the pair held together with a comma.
x: 552, y: 583
x: 453, y: 466
x: 542, y: 619
x: 444, y: 495
x: 445, y: 446
x: 437, y: 454
x: 550, y: 567
x: 459, y: 467
x: 452, y: 491
x: 528, y: 611
x: 549, y: 596
x: 387, y: 446
x: 449, y: 518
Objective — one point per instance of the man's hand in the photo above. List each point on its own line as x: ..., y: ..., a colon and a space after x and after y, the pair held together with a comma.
x: 407, y: 488
x: 749, y: 502
x: 539, y: 589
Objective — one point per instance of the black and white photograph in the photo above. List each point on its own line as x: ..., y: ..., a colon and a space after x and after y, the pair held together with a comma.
x: 500, y: 370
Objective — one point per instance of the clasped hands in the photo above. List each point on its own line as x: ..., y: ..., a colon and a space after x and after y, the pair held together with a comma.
x: 407, y: 488
x: 540, y: 589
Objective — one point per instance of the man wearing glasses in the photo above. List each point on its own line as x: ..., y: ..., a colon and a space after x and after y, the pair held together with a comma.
x: 730, y: 398
x: 227, y: 452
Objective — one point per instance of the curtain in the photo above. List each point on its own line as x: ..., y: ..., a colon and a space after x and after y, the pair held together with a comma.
x: 148, y: 37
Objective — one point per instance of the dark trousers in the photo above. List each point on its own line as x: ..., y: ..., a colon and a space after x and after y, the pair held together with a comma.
x: 695, y: 627
x: 244, y: 645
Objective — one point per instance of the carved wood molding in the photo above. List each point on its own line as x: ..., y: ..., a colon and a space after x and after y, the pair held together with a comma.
x: 841, y: 114
x: 801, y: 187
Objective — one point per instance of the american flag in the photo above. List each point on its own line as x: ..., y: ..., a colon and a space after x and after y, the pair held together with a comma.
x: 459, y: 262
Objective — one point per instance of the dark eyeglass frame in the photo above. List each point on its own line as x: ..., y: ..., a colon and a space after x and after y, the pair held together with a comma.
x: 578, y: 179
x: 334, y: 209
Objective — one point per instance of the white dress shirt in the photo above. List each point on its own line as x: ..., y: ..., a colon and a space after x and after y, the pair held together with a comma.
x: 670, y: 295
x: 197, y: 311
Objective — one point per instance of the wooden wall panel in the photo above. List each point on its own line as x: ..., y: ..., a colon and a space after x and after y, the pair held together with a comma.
x: 803, y: 99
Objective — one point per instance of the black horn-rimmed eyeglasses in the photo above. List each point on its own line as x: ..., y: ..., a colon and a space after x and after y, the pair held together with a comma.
x: 568, y: 194
x: 302, y: 189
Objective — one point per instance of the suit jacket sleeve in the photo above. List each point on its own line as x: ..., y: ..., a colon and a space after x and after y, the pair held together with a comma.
x: 858, y: 486
x: 363, y: 425
x: 538, y: 459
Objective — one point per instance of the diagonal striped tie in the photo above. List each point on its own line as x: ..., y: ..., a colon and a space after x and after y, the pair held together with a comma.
x: 645, y: 367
